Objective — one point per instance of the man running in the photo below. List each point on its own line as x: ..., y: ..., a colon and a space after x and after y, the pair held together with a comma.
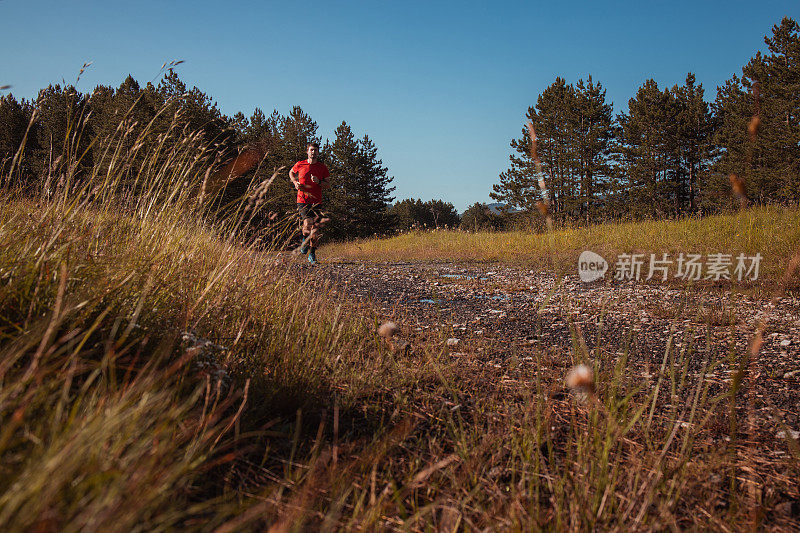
x: 309, y: 177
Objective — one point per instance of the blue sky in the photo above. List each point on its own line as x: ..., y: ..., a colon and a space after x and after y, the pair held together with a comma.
x: 440, y: 87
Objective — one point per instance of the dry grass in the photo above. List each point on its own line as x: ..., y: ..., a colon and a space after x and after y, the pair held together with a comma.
x: 773, y: 232
x: 140, y: 342
x: 155, y: 373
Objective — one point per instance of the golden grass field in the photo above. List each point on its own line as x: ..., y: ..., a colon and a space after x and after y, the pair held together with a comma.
x: 158, y: 373
x: 772, y: 231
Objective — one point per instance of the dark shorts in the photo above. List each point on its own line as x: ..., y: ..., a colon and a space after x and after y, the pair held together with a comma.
x: 309, y: 210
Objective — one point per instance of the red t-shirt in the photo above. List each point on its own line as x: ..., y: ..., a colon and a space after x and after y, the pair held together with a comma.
x: 304, y: 171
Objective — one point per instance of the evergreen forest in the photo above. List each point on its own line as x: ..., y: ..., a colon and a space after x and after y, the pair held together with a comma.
x: 671, y: 153
x: 37, y: 137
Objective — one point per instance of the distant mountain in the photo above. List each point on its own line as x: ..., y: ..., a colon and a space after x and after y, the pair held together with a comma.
x: 497, y: 208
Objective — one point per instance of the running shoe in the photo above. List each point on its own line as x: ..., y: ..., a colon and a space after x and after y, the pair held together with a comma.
x: 312, y: 257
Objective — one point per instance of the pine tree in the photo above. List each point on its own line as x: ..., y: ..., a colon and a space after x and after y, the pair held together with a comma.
x: 518, y: 186
x: 343, y: 163
x: 731, y: 111
x: 443, y: 214
x: 694, y: 130
x: 62, y: 136
x: 408, y: 214
x: 193, y: 111
x: 478, y: 217
x: 574, y: 129
x: 297, y: 129
x: 15, y: 118
x: 556, y: 147
x: 594, y: 131
x: 649, y: 137
x: 374, y: 188
x: 769, y: 159
x: 416, y: 214
x: 360, y: 194
x: 118, y: 120
x: 240, y: 124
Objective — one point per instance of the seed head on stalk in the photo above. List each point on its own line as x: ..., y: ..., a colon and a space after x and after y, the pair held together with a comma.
x: 237, y: 167
x: 387, y: 330
x: 259, y: 195
x: 580, y: 379
x: 737, y: 186
x: 737, y: 183
x: 542, y: 205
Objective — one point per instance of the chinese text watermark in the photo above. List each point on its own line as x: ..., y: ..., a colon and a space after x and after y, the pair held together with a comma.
x: 684, y: 266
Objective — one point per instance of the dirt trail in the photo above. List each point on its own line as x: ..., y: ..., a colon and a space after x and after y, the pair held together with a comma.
x: 511, y: 312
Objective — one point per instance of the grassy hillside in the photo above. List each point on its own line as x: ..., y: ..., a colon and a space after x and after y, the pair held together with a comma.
x: 135, y: 351
x: 151, y: 366
x: 157, y: 373
x: 773, y: 232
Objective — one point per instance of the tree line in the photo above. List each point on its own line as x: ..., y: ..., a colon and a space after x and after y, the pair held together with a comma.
x: 671, y: 153
x: 359, y: 198
x: 61, y: 121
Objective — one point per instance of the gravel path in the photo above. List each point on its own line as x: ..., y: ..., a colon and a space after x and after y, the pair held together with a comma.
x: 512, y: 312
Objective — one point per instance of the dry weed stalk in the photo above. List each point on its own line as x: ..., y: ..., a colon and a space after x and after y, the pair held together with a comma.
x: 737, y: 183
x: 258, y: 197
x: 750, y: 368
x: 580, y: 379
x: 542, y: 205
x: 237, y: 167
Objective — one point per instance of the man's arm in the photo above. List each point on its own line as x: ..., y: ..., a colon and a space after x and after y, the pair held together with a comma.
x: 295, y: 179
x: 324, y: 181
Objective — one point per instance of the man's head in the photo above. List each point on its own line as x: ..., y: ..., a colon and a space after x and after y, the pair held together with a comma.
x: 312, y: 150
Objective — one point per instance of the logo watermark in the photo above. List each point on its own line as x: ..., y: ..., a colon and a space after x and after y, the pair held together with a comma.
x: 687, y: 267
x: 591, y: 266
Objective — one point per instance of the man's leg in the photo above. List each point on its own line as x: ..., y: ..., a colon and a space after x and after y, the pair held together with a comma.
x: 307, y: 242
x: 314, y: 233
x: 305, y: 228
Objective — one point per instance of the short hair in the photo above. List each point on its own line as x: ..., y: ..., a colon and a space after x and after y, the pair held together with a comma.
x: 314, y: 144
